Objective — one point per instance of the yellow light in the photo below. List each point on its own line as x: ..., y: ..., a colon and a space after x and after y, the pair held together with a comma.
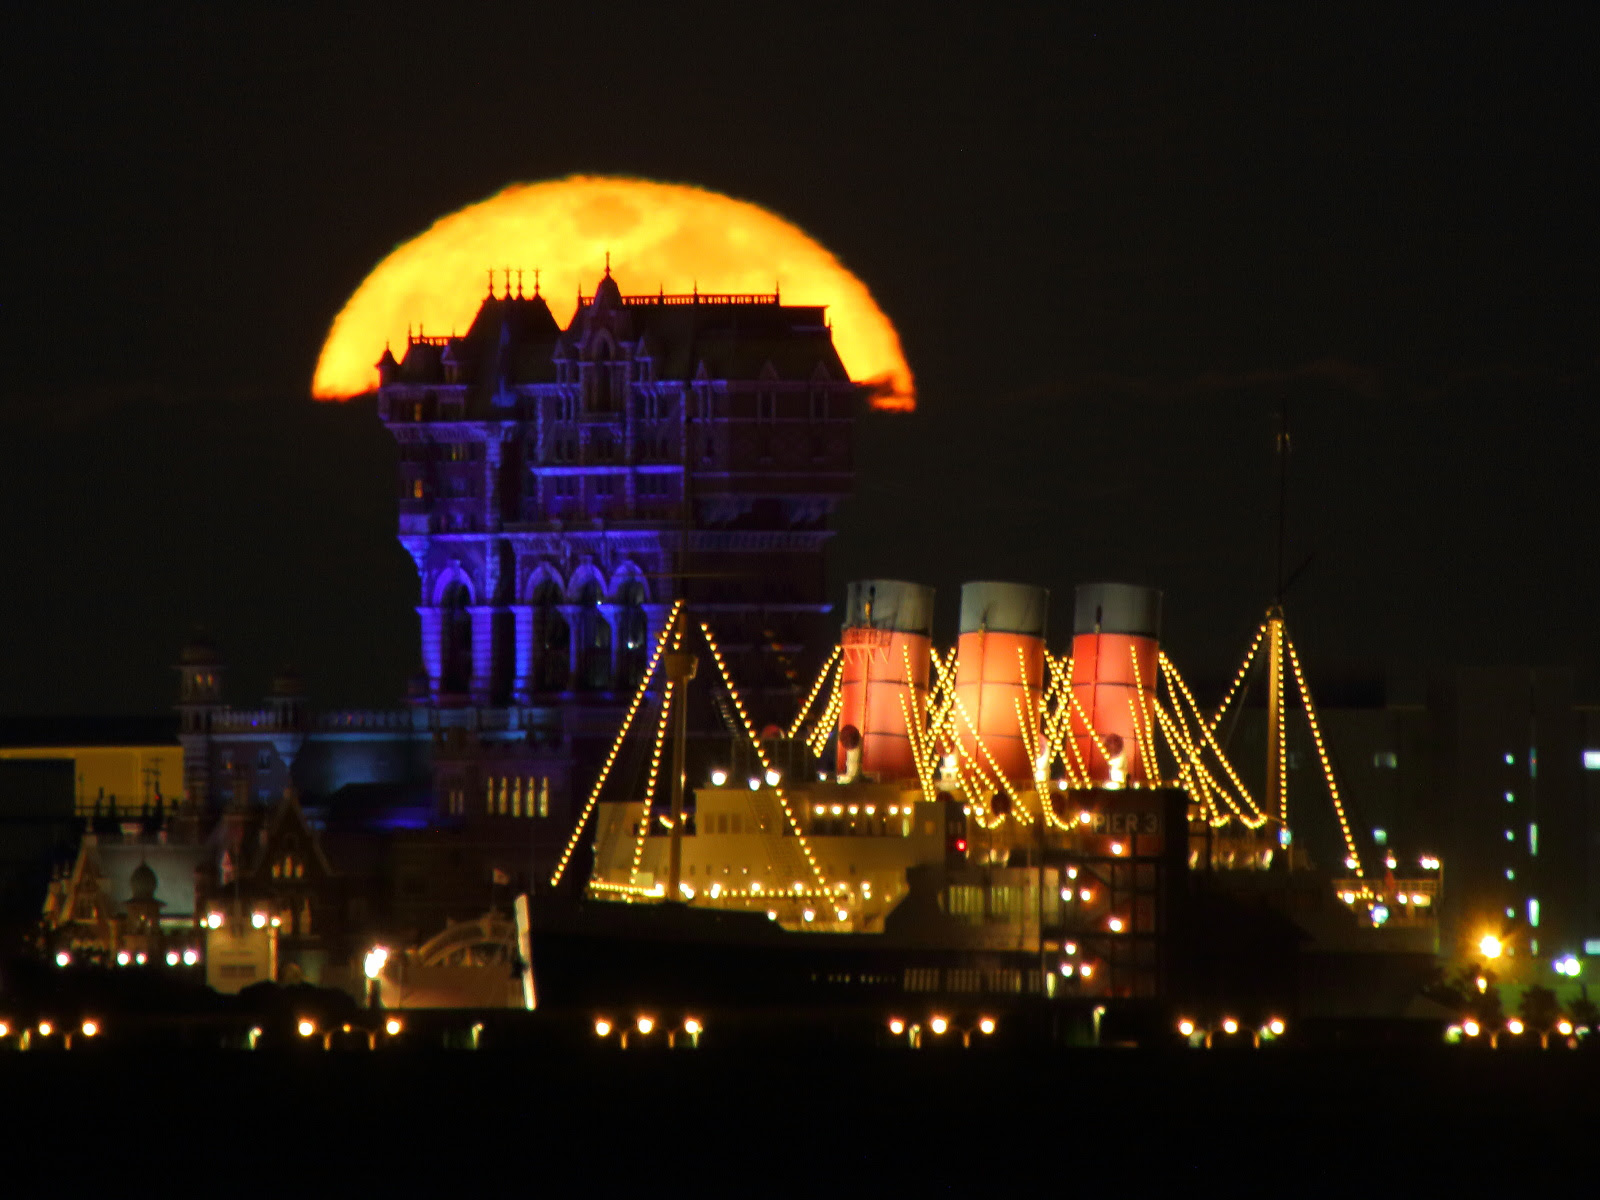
x: 938, y: 1025
x: 1114, y: 924
x: 1086, y: 895
x: 1490, y: 946
x: 809, y: 914
x: 602, y: 1027
x: 1483, y: 984
x: 258, y: 920
x: 1276, y: 1026
x: 1186, y: 1027
x: 374, y: 963
x: 5, y: 1030
x: 692, y: 1027
x: 1563, y: 1027
x: 392, y: 1026
x: 896, y: 1026
x: 1086, y: 970
x: 986, y: 1025
x: 645, y: 1024
x: 306, y: 1028
x: 1116, y: 847
x: 1515, y: 1026
x: 214, y: 920
x: 1229, y: 1025
x: 90, y: 1028
x: 1470, y: 1028
x: 46, y: 1029
x: 719, y: 777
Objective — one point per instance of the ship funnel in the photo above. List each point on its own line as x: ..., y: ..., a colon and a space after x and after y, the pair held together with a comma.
x: 1116, y: 630
x: 1000, y: 674
x: 887, y: 641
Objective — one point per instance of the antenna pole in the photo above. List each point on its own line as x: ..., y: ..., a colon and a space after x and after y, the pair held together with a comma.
x: 1283, y: 495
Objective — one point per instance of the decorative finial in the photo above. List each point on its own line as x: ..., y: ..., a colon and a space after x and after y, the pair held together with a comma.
x: 608, y: 264
x: 491, y: 282
x: 536, y: 283
x: 777, y: 292
x: 507, y: 270
x: 519, y: 283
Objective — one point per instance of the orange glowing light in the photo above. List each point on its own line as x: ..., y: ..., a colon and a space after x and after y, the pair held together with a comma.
x: 660, y: 236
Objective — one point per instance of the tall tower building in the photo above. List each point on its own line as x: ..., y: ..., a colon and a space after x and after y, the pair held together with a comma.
x: 559, y: 487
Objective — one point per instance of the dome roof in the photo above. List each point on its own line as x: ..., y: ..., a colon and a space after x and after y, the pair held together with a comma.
x: 142, y: 883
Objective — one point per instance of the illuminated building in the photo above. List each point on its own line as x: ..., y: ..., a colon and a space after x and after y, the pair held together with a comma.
x: 554, y: 483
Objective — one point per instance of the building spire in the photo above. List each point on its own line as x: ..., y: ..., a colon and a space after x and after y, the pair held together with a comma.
x: 536, y: 283
x: 490, y: 273
x: 608, y: 264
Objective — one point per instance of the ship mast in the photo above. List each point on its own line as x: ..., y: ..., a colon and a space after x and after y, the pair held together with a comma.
x: 679, y: 666
x: 1277, y: 750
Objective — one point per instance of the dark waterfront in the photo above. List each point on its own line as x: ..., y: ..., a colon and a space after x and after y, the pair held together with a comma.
x: 604, y: 1123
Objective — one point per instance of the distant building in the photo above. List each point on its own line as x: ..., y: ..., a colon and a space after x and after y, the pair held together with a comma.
x: 558, y: 490
x: 1494, y: 771
x: 558, y: 487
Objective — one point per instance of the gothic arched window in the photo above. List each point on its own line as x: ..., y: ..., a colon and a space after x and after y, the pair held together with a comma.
x: 594, y: 642
x: 455, y: 633
x: 632, y: 634
x: 602, y: 379
x: 552, y: 640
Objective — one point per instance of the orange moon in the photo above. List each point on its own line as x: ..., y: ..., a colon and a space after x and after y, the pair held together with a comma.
x: 661, y: 236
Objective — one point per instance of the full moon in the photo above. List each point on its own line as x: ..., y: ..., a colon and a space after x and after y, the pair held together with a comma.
x: 660, y: 236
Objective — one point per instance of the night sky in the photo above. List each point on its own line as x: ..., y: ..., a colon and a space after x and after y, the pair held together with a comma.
x: 1113, y: 243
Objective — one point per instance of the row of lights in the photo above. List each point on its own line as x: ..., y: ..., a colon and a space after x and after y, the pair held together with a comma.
x: 646, y: 1025
x: 90, y: 1028
x: 1274, y: 1028
x: 576, y: 836
x: 939, y: 1025
x: 258, y: 920
x: 1515, y: 1026
x: 188, y: 958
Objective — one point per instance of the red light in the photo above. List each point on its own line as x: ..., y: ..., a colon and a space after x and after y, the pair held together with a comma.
x: 961, y: 845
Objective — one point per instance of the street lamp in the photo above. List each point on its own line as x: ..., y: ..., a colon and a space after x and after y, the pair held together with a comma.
x: 1491, y: 946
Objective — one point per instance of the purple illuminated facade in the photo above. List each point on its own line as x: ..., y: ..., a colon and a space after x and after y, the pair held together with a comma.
x: 558, y: 487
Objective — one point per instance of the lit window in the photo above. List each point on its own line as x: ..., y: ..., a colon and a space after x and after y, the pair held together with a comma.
x: 1511, y: 797
x: 1510, y: 874
x: 1511, y: 760
x: 1510, y: 837
x: 1380, y: 836
x: 1533, y: 912
x: 1533, y: 841
x: 1591, y: 760
x: 1386, y: 759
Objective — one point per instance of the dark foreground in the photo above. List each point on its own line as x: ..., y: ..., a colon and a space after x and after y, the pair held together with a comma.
x: 597, y: 1122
